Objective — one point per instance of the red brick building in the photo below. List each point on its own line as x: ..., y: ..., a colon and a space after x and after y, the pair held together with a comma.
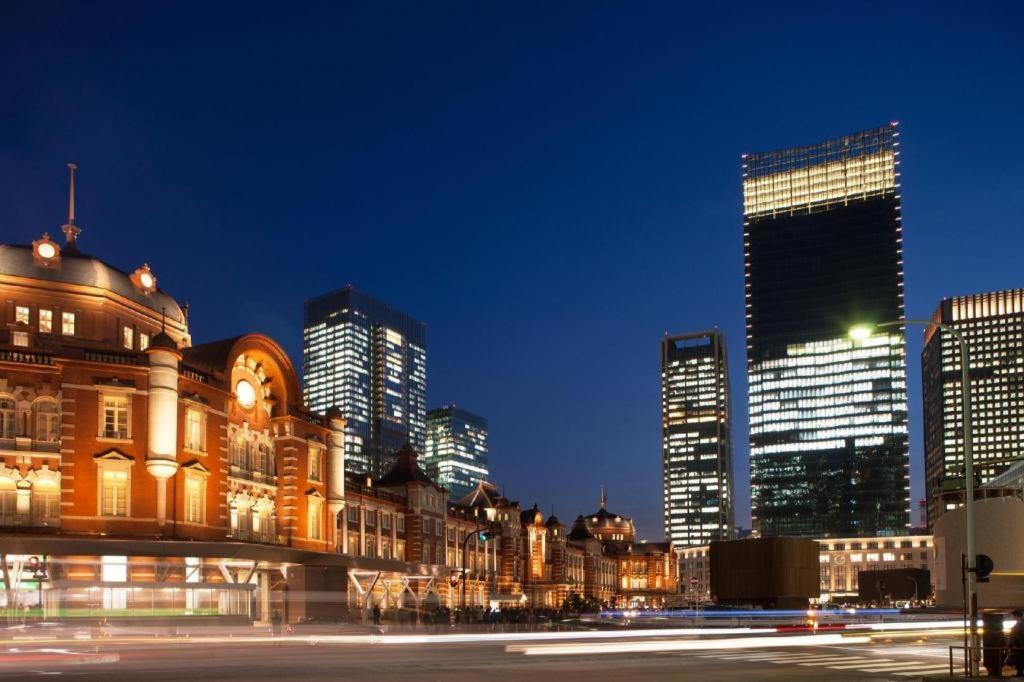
x: 147, y: 475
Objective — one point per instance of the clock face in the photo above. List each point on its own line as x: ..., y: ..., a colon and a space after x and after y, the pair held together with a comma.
x: 47, y: 250
x: 245, y: 394
x: 147, y: 280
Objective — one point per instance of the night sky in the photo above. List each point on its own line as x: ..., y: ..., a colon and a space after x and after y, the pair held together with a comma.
x: 549, y: 187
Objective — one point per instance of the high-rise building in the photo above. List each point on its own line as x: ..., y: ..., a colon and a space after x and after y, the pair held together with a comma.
x: 370, y: 361
x: 456, y: 454
x: 822, y: 245
x: 993, y: 326
x: 696, y: 447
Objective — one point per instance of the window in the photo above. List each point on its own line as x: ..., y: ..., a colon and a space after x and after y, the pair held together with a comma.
x: 400, y: 524
x: 371, y: 517
x: 195, y: 429
x: 400, y: 550
x: 237, y: 453
x: 19, y: 339
x: 67, y: 324
x: 353, y: 514
x: 264, y: 463
x: 7, y: 418
x: 45, y: 321
x: 385, y: 521
x: 143, y: 340
x: 128, y: 337
x: 315, y: 464
x: 195, y: 488
x: 21, y: 314
x: 114, y: 484
x: 45, y: 500
x: 314, y: 517
x: 8, y: 497
x: 115, y: 416
x: 47, y: 422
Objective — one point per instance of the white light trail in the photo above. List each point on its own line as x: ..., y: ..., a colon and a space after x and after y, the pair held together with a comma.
x: 701, y: 645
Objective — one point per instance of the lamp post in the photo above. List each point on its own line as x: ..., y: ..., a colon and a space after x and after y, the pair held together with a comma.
x: 862, y: 332
x: 483, y: 536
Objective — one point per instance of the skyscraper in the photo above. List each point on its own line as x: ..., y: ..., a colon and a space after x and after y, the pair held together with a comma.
x: 993, y: 326
x: 370, y: 361
x: 456, y: 454
x: 822, y: 245
x: 696, y: 446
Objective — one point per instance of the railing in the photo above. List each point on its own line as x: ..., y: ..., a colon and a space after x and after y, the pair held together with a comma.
x: 355, y: 487
x: 26, y: 357
x: 266, y: 537
x: 28, y: 520
x: 995, y: 656
x: 114, y: 358
x: 26, y: 444
x: 237, y: 471
x: 195, y: 375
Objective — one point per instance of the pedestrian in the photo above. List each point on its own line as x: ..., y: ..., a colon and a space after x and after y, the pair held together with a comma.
x: 376, y: 614
x: 1015, y: 644
x: 275, y: 624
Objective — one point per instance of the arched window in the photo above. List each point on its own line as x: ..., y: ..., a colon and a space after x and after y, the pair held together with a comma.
x: 8, y: 413
x: 8, y: 501
x: 265, y: 460
x: 264, y: 525
x: 47, y: 421
x: 237, y: 453
x: 45, y: 501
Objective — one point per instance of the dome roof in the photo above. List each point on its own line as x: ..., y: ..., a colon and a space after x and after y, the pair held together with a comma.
x: 580, y: 531
x: 603, y: 518
x: 75, y: 267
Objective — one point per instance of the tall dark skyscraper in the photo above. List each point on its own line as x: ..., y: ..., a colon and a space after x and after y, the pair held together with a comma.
x: 456, y: 455
x: 370, y: 361
x: 822, y: 246
x: 696, y: 447
x: 993, y: 325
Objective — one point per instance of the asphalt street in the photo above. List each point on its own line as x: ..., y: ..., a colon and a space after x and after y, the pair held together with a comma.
x: 311, y: 659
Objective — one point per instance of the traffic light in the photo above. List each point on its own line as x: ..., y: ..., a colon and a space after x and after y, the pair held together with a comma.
x: 983, y: 566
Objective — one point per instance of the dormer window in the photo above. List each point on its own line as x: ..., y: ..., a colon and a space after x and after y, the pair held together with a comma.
x: 128, y: 337
x: 21, y: 314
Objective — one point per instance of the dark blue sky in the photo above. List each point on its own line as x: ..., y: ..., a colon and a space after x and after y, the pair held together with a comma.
x: 549, y: 187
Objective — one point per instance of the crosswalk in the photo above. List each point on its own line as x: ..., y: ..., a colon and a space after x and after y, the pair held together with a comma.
x: 837, y: 661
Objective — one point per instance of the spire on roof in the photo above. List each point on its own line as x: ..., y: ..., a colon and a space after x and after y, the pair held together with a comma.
x: 71, y: 231
x: 604, y: 497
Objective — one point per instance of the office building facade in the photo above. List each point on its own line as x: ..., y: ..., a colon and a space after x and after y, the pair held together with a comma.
x: 370, y: 361
x: 696, y: 445
x: 828, y: 416
x: 456, y: 455
x: 993, y: 326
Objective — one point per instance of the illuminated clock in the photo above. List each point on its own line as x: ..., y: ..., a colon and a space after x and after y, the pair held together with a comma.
x: 245, y: 393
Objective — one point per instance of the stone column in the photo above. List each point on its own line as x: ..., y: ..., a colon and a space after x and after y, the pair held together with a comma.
x: 336, y: 478
x: 162, y: 451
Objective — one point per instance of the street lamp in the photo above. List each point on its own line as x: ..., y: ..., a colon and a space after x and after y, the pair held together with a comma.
x: 483, y: 536
x: 862, y: 332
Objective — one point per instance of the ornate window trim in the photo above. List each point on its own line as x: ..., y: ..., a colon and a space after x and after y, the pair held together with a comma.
x: 114, y: 460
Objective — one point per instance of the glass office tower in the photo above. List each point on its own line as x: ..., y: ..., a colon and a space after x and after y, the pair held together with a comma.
x: 370, y: 361
x: 993, y: 325
x: 696, y: 447
x: 822, y: 246
x: 456, y: 456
